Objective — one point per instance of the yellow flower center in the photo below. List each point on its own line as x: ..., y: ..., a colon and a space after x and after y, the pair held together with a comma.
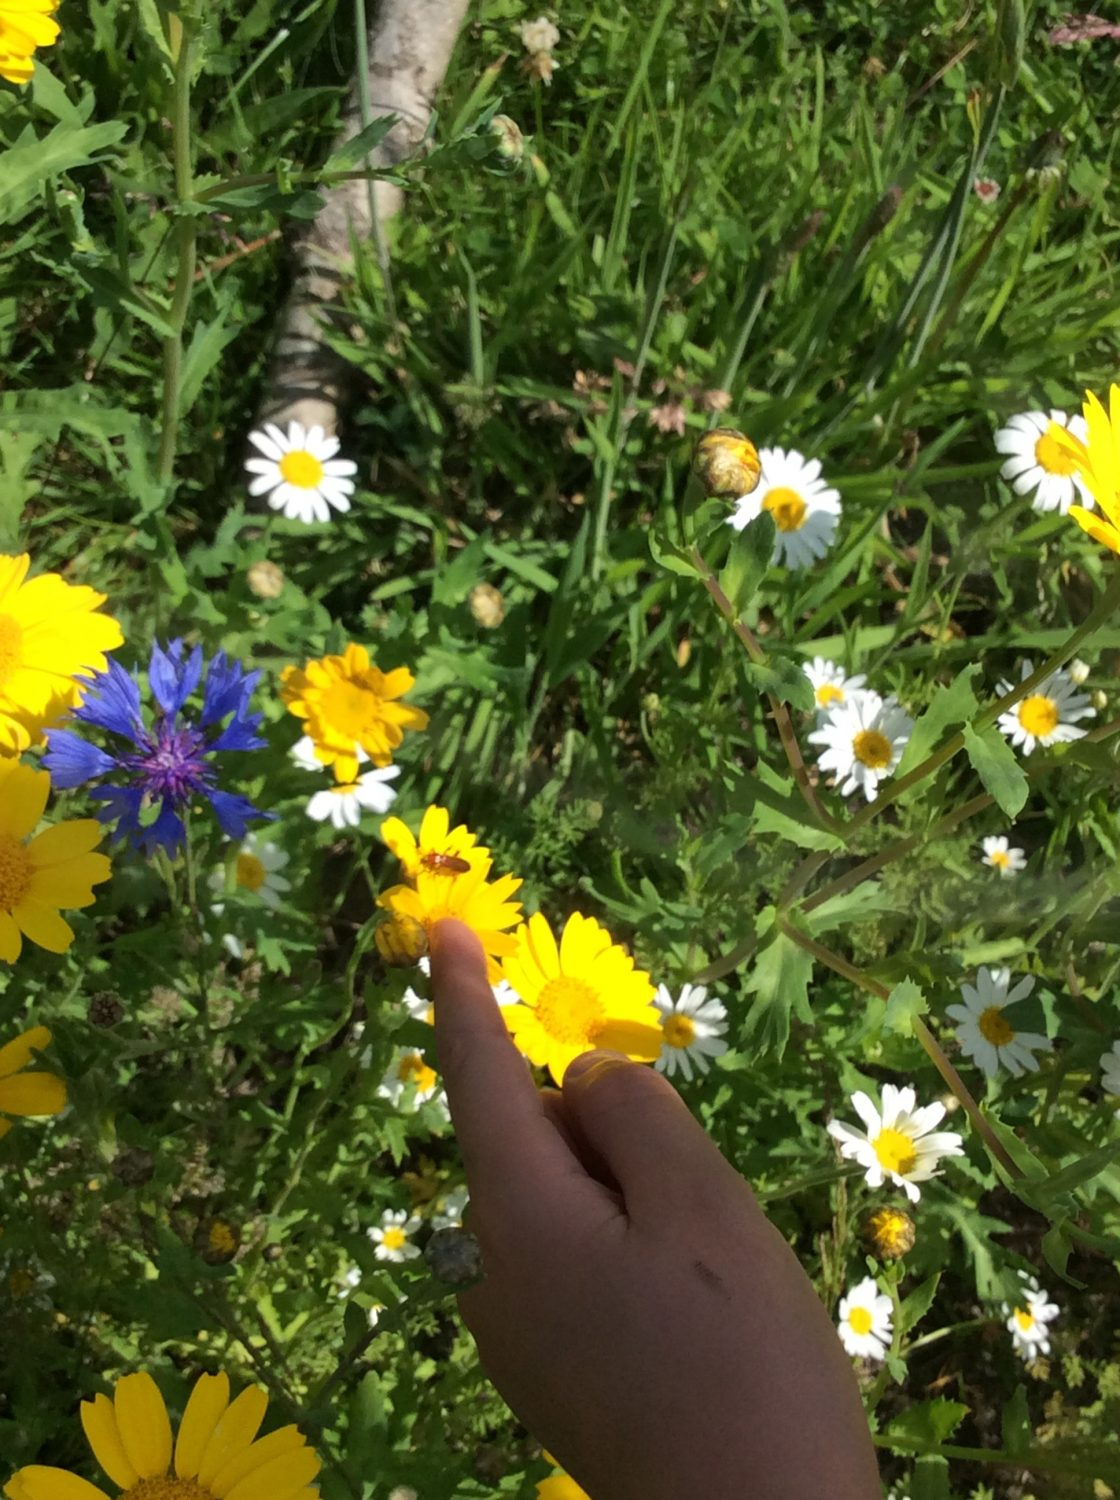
x: 251, y: 872
x: 1000, y: 859
x: 349, y: 707
x: 895, y: 1151
x: 679, y: 1031
x: 221, y: 1238
x: 859, y: 1320
x: 167, y: 1488
x: 828, y: 693
x: 11, y: 647
x: 994, y: 1027
x: 394, y: 1238
x: 1054, y: 459
x: 1038, y: 715
x: 1025, y: 1319
x: 787, y: 508
x: 302, y: 469
x: 872, y: 749
x: 16, y: 871
x: 570, y: 1011
x: 413, y: 1069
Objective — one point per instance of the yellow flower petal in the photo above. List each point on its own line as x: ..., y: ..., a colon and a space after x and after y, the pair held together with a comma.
x: 38, y: 1482
x: 1101, y: 531
x: 44, y: 927
x: 17, y: 1054
x: 99, y: 1423
x: 205, y: 1407
x: 262, y: 1452
x: 24, y: 799
x: 281, y: 1479
x: 11, y: 944
x: 144, y: 1425
x: 65, y: 842
x: 32, y: 1094
x: 236, y: 1429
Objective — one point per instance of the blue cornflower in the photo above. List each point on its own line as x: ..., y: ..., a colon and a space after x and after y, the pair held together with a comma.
x: 170, y: 762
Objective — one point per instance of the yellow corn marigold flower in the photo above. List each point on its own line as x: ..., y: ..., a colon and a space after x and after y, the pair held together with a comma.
x: 485, y: 906
x: 50, y: 633
x: 350, y: 705
x: 726, y: 462
x: 402, y: 941
x: 1098, y: 463
x: 24, y: 25
x: 440, y: 849
x: 214, y: 1456
x: 890, y: 1233
x: 53, y: 870
x: 27, y: 1093
x: 584, y: 994
x: 560, y: 1487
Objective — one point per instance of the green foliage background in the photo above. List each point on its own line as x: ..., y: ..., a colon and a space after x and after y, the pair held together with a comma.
x: 765, y: 200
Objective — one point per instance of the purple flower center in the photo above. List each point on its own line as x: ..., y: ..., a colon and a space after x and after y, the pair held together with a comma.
x: 171, y: 765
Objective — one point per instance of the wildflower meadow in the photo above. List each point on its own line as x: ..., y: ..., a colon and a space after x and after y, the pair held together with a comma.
x: 680, y: 539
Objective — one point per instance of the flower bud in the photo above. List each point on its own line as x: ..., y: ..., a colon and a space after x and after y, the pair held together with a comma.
x: 487, y: 605
x: 218, y: 1241
x: 105, y: 1009
x: 726, y: 462
x: 401, y: 941
x: 511, y: 142
x: 265, y: 579
x: 1078, y: 671
x: 453, y: 1257
x: 889, y: 1232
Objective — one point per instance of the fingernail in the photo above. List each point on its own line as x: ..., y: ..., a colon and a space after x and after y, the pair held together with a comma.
x: 590, y: 1065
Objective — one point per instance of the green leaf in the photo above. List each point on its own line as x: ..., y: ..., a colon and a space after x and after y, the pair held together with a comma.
x: 950, y: 706
x: 930, y: 1422
x: 25, y: 167
x: 918, y: 1302
x: 779, y: 982
x: 1016, y: 1422
x: 860, y: 905
x: 930, y: 1478
x: 783, y: 679
x: 353, y: 153
x: 995, y: 763
x: 1081, y: 1170
x: 746, y: 565
x: 674, y: 559
x: 208, y: 343
x: 113, y: 290
x: 904, y: 1003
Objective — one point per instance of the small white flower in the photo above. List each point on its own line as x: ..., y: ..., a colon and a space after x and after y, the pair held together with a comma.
x: 374, y: 1313
x: 300, y: 470
x: 864, y: 738
x: 897, y: 1143
x: 409, y: 1080
x: 540, y: 35
x: 999, y: 854
x: 1078, y: 671
x: 865, y: 1322
x: 987, y: 189
x: 986, y: 1035
x: 450, y: 1209
x: 256, y: 871
x: 344, y: 805
x: 830, y: 685
x: 805, y: 509
x: 1028, y: 1319
x: 303, y: 753
x: 420, y: 1009
x: 349, y: 1281
x: 1037, y: 464
x: 693, y: 1028
x: 391, y: 1239
x: 1110, y: 1069
x: 1046, y: 717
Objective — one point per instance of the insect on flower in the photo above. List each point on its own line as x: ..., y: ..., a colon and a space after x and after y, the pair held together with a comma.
x: 444, y: 864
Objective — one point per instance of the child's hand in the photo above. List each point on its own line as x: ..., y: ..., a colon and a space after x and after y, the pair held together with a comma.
x: 638, y: 1311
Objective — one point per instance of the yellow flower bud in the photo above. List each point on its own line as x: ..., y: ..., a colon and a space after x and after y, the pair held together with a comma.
x: 890, y: 1233
x: 265, y: 580
x: 487, y: 605
x: 401, y: 941
x: 726, y: 462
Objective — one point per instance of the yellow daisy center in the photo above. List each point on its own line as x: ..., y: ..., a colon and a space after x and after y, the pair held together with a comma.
x: 872, y: 749
x: 1000, y: 859
x: 859, y: 1320
x: 251, y: 872
x: 995, y: 1028
x: 570, y: 1011
x: 895, y: 1151
x: 349, y: 707
x: 413, y: 1069
x: 827, y: 693
x: 1025, y: 1318
x: 679, y: 1031
x: 11, y: 643
x: 167, y: 1488
x: 1038, y: 715
x: 302, y: 469
x: 394, y: 1237
x: 1055, y: 460
x: 16, y: 871
x: 787, y: 508
x: 221, y: 1238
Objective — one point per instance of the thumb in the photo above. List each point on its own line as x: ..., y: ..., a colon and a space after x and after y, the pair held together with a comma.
x: 635, y: 1120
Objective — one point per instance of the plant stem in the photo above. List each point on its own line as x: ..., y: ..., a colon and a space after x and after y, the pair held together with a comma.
x: 186, y: 242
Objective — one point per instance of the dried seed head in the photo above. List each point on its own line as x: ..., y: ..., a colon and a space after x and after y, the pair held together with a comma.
x: 453, y: 1257
x: 105, y: 1009
x: 133, y: 1166
x: 265, y: 580
x: 726, y: 462
x: 487, y: 606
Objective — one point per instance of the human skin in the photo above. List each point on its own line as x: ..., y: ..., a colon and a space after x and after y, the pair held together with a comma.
x: 638, y: 1311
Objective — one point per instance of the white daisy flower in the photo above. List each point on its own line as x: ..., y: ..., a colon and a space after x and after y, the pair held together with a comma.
x: 897, y: 1143
x: 864, y: 738
x: 257, y: 871
x: 1110, y: 1069
x: 986, y: 1035
x: 303, y: 753
x: 299, y: 472
x: 693, y: 1027
x: 391, y: 1238
x: 374, y: 1312
x: 1037, y: 464
x: 420, y: 1009
x: 805, y: 510
x: 1027, y: 1321
x: 450, y: 1209
x: 540, y: 35
x: 999, y: 854
x: 864, y: 1323
x: 348, y: 1282
x: 409, y: 1080
x: 830, y: 684
x: 344, y: 805
x: 1046, y: 717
